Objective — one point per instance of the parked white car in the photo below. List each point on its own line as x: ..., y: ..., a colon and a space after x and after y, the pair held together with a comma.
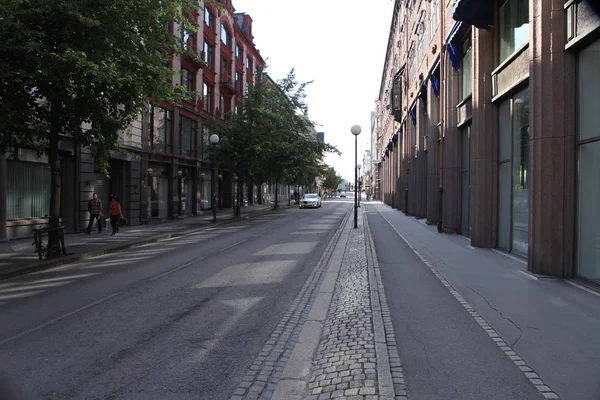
x: 310, y: 200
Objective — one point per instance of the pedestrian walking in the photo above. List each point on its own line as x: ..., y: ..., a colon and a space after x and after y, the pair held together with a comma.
x: 95, y: 210
x: 116, y: 215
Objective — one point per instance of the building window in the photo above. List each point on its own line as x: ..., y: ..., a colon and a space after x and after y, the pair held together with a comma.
x: 239, y: 53
x: 421, y: 42
x: 188, y: 137
x: 207, y: 96
x: 588, y: 168
x: 249, y: 63
x: 434, y: 17
x: 206, y: 143
x: 467, y: 68
x: 411, y: 63
x: 208, y: 55
x: 225, y: 37
x: 28, y: 194
x: 239, y: 81
x: 514, y: 26
x: 187, y: 80
x: 513, y: 174
x: 189, y: 39
x: 224, y: 70
x: 209, y: 19
x: 161, y: 129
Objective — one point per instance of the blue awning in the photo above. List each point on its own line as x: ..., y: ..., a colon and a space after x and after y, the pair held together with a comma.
x: 390, y: 146
x: 454, y: 43
x: 399, y: 73
x: 479, y: 13
x: 435, y: 80
x: 379, y: 164
x: 413, y: 114
x: 395, y: 137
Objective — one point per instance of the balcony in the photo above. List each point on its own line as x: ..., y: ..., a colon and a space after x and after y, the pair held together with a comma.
x: 194, y: 54
x: 227, y: 83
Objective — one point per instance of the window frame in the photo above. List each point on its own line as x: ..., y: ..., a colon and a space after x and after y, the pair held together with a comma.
x: 211, y: 18
x: 208, y: 97
x: 168, y: 130
x: 225, y: 29
x: 191, y: 151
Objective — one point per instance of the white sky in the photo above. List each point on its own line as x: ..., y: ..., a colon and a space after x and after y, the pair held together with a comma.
x: 338, y: 44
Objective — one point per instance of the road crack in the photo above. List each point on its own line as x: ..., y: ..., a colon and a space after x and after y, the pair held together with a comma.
x: 503, y: 317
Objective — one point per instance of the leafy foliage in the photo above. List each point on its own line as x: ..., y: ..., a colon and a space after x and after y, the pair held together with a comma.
x: 83, y: 68
x: 272, y: 139
x: 331, y: 179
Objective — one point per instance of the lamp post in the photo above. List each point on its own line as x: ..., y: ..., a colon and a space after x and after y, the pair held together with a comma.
x: 214, y: 139
x: 179, y: 175
x: 149, y: 213
x: 356, y: 129
x: 359, y: 166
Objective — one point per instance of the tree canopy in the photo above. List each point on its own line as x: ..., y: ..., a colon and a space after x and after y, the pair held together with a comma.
x: 272, y: 138
x: 83, y: 68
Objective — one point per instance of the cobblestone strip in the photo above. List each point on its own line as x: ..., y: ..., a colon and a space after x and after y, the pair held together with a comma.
x: 533, y: 377
x: 260, y: 381
x: 347, y: 362
x: 395, y: 365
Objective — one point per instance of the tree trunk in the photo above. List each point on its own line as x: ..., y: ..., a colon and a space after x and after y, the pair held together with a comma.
x: 239, y: 197
x: 276, y: 193
x: 54, y: 249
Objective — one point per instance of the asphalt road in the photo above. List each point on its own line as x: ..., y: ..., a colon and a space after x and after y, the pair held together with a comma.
x: 181, y: 319
x: 444, y: 352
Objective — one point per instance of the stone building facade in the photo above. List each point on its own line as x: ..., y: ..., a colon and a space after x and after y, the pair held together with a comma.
x: 487, y: 110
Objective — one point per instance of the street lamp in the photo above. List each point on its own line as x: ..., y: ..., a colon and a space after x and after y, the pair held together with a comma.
x: 355, y: 131
x: 214, y: 139
x: 179, y: 175
x: 359, y: 166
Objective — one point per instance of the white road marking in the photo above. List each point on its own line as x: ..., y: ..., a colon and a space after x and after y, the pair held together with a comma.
x: 233, y: 245
x: 187, y: 264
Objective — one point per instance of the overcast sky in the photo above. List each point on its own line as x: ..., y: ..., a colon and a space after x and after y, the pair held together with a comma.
x: 338, y: 44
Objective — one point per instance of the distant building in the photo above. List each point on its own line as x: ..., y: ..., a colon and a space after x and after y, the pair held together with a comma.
x: 321, y: 137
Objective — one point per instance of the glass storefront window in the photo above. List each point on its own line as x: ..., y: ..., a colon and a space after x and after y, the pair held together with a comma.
x: 28, y: 194
x: 520, y: 171
x: 588, y: 174
x: 514, y: 26
x: 513, y: 174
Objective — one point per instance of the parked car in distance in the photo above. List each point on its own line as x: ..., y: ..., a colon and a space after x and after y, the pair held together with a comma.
x: 310, y: 200
x: 343, y: 194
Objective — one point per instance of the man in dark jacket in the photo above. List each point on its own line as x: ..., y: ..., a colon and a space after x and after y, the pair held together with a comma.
x: 95, y: 209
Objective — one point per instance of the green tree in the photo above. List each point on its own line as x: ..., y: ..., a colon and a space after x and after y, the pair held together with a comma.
x: 83, y: 68
x: 271, y: 139
x: 331, y: 179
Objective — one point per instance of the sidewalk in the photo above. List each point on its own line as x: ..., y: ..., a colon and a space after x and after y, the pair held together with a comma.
x: 545, y: 324
x: 24, y: 259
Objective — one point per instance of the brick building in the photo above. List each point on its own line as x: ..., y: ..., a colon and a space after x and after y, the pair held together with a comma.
x: 487, y: 125
x: 167, y: 171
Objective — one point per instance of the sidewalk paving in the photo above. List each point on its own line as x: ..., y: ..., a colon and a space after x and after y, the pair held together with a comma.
x: 336, y: 339
x: 551, y: 325
x: 24, y: 259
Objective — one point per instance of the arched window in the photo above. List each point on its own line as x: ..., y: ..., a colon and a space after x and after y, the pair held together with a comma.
x: 225, y: 35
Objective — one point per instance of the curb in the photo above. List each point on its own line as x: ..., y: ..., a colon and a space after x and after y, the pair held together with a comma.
x: 24, y: 270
